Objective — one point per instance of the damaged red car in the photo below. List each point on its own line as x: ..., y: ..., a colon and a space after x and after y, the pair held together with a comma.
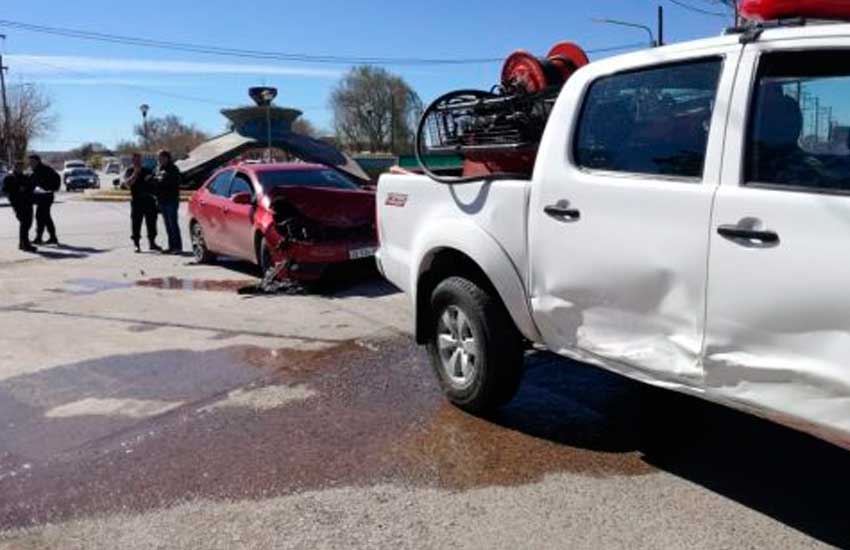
x: 299, y: 218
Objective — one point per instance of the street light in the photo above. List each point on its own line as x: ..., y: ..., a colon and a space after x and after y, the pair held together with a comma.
x: 144, y: 108
x: 652, y: 42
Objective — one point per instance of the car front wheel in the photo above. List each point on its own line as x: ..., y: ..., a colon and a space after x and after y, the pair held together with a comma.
x: 475, y: 349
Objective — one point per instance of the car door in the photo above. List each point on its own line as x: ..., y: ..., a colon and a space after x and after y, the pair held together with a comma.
x: 239, y: 219
x: 211, y: 203
x: 778, y: 323
x: 620, y: 211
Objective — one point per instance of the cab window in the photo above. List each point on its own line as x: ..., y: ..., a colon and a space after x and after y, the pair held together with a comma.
x: 652, y: 121
x: 799, y: 130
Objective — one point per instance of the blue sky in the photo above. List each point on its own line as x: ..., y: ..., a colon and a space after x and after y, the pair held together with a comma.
x: 94, y: 85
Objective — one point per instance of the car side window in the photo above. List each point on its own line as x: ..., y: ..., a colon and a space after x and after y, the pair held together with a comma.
x: 220, y: 186
x: 799, y: 128
x: 650, y: 121
x: 241, y: 184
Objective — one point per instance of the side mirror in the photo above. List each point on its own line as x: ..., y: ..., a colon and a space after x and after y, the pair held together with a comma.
x: 242, y: 198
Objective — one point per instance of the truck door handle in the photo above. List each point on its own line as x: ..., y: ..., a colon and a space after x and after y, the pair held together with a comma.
x: 562, y: 211
x: 753, y: 237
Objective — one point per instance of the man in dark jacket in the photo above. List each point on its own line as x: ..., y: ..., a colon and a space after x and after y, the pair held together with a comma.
x: 46, y: 182
x: 19, y: 187
x: 167, y: 182
x: 142, y: 203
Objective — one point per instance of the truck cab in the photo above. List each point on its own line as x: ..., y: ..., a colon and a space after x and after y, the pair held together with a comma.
x: 683, y: 226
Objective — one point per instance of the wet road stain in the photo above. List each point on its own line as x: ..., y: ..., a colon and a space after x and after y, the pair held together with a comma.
x: 376, y: 416
x: 177, y: 283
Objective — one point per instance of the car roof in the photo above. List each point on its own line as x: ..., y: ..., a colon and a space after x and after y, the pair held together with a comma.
x: 650, y: 56
x: 278, y: 167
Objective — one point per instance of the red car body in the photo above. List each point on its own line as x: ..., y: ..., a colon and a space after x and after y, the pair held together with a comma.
x: 305, y: 216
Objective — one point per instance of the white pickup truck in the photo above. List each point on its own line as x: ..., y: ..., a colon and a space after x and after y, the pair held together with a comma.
x: 686, y: 225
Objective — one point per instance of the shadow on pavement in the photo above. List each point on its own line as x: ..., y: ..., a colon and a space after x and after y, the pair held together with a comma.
x: 68, y: 252
x: 796, y: 479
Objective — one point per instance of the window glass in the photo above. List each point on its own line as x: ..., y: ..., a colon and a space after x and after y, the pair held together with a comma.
x: 650, y: 121
x: 306, y: 178
x: 799, y: 132
x: 241, y: 184
x: 221, y: 184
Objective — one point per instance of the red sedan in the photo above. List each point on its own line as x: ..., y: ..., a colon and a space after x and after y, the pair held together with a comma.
x: 299, y: 217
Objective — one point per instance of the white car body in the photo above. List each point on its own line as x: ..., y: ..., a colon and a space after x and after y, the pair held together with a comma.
x: 71, y: 165
x: 642, y: 284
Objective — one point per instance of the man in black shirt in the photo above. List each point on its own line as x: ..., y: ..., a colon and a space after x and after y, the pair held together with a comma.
x: 19, y: 187
x: 47, y: 182
x: 167, y: 184
x: 142, y: 204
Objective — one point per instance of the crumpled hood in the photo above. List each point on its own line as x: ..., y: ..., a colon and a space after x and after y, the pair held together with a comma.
x: 330, y: 207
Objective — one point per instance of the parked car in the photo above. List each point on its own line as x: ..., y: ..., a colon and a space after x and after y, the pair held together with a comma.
x: 113, y: 168
x: 684, y: 226
x: 304, y: 216
x: 79, y: 179
x: 71, y: 165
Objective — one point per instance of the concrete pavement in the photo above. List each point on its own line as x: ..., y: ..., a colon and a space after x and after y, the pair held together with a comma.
x: 144, y: 403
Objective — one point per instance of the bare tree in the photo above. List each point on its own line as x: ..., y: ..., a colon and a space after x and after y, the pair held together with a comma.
x: 171, y: 133
x: 304, y: 127
x: 375, y: 110
x: 30, y: 118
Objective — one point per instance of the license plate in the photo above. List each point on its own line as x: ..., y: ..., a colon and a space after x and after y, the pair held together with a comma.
x: 360, y: 253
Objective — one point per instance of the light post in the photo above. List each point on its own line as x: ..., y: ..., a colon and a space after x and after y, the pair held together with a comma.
x: 653, y: 43
x: 144, y: 108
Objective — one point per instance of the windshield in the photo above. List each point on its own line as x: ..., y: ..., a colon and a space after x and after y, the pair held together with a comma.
x: 306, y: 178
x: 69, y: 165
x: 82, y: 172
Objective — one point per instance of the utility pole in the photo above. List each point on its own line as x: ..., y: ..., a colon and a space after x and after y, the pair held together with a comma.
x: 660, y: 25
x: 7, y: 134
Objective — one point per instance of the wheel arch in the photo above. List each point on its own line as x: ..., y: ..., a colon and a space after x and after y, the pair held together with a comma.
x: 473, y: 254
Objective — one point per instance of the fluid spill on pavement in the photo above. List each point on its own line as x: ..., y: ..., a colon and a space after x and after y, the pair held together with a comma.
x: 374, y: 414
x: 177, y: 283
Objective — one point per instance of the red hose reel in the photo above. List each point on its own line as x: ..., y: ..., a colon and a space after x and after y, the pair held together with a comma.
x: 497, y: 133
x: 523, y: 71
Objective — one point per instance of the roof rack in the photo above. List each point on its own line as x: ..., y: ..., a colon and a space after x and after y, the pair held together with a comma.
x: 751, y: 31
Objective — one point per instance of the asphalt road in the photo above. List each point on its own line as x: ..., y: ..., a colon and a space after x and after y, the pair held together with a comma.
x: 146, y: 403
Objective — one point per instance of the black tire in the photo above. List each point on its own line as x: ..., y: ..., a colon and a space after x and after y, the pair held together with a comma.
x: 489, y: 377
x: 202, y: 254
x: 264, y: 257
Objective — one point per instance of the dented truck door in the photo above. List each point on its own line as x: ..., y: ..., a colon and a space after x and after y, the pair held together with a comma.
x: 620, y: 212
x: 778, y: 325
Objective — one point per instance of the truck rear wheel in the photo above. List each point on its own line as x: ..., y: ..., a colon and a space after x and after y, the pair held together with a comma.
x: 476, y: 351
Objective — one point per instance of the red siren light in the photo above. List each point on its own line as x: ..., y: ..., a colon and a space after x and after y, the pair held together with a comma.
x: 768, y: 10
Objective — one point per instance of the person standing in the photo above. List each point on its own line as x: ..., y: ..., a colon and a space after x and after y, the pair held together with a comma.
x: 142, y: 204
x: 46, y: 182
x: 167, y: 184
x: 20, y: 188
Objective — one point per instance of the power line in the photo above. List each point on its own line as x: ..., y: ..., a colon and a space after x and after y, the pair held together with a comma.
x: 259, y: 54
x: 145, y: 89
x: 236, y: 52
x: 695, y: 9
